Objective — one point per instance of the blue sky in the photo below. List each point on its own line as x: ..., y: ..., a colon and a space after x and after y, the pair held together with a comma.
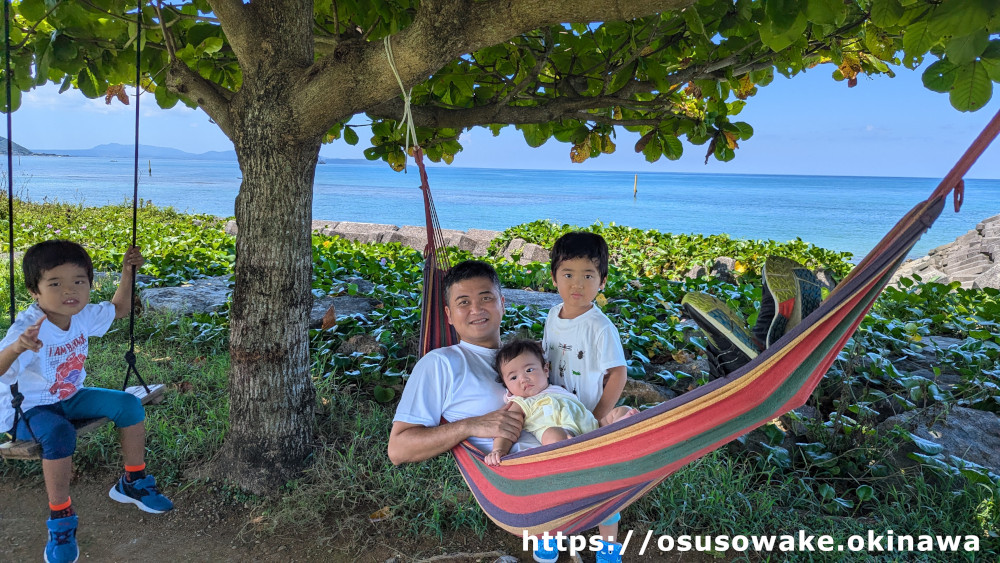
x: 806, y: 125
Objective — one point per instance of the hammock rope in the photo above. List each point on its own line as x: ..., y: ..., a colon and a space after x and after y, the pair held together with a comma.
x: 574, y: 485
x: 435, y: 331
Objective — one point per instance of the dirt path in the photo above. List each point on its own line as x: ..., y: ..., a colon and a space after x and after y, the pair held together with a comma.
x: 203, y: 528
x: 200, y: 528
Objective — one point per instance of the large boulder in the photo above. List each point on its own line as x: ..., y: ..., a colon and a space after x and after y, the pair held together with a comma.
x: 969, y: 434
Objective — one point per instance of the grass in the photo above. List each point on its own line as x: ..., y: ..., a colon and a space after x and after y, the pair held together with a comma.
x: 833, y: 482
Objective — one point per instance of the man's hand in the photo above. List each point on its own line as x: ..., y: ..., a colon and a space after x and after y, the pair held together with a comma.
x: 505, y: 423
x: 29, y: 338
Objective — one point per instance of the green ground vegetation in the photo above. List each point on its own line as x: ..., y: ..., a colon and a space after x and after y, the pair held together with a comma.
x: 833, y: 479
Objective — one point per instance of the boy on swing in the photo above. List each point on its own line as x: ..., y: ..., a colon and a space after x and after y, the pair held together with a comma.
x: 44, y: 352
x: 582, y: 345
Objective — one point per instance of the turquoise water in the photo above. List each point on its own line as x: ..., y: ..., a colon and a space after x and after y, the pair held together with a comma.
x: 840, y: 213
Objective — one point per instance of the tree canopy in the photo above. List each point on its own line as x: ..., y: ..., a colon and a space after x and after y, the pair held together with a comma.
x: 548, y: 69
x: 280, y: 77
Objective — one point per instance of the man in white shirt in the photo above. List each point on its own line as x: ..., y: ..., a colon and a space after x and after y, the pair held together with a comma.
x: 452, y: 394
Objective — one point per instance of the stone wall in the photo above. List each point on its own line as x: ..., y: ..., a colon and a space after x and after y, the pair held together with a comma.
x: 476, y: 241
x: 972, y: 259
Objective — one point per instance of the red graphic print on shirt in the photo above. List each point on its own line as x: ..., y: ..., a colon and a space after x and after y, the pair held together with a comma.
x: 68, y: 360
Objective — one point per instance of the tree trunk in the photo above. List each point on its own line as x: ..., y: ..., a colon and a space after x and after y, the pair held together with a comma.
x: 271, y: 396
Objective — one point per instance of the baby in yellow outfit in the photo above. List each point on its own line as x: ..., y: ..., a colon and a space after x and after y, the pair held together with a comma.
x: 551, y: 412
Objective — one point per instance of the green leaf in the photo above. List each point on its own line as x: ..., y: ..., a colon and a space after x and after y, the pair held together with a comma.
x: 972, y: 88
x: 967, y: 48
x: 927, y: 446
x: 33, y: 10
x: 384, y: 394
x: 746, y: 131
x: 959, y: 18
x: 693, y: 20
x: 672, y: 147
x: 826, y: 492
x: 87, y: 83
x: 536, y: 135
x: 350, y: 137
x: 15, y: 99
x: 782, y: 14
x: 826, y: 11
x: 865, y: 492
x: 886, y: 13
x: 917, y: 40
x: 939, y: 77
x: 991, y: 60
x: 211, y: 45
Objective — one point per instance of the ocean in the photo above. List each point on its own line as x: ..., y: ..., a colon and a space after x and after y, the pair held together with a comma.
x: 840, y: 213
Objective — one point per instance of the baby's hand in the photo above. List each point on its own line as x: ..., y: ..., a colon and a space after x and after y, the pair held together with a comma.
x: 133, y: 257
x: 493, y: 458
x: 29, y: 338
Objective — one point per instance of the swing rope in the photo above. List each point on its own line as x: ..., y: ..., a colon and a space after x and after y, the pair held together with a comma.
x: 130, y: 354
x: 16, y: 398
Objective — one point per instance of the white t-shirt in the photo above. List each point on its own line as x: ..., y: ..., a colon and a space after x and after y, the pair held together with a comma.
x: 455, y: 383
x: 55, y: 372
x: 581, y: 351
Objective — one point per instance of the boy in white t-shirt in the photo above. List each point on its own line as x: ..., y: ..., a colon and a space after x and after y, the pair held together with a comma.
x: 582, y: 345
x: 44, y: 353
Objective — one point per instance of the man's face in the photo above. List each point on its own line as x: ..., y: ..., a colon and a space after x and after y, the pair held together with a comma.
x: 475, y: 309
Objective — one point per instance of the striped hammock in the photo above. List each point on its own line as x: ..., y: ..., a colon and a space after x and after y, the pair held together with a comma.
x: 574, y: 485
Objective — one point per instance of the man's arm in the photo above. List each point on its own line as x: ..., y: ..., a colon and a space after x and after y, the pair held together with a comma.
x: 410, y: 443
x: 614, y: 383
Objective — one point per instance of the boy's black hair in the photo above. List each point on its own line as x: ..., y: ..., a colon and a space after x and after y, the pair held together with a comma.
x: 513, y: 349
x: 580, y: 244
x: 50, y: 254
x: 467, y: 270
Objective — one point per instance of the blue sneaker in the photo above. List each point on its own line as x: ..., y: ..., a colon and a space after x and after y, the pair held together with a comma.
x: 546, y: 551
x: 611, y: 552
x: 142, y: 493
x: 62, y: 547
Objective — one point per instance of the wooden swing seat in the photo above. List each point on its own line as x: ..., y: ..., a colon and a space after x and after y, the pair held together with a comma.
x: 30, y: 449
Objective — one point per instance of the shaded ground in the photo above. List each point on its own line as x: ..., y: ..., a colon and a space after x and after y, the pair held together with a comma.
x: 204, y: 528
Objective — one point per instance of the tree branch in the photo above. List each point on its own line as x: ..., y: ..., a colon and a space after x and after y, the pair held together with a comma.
x: 211, y: 97
x: 441, y: 31
x: 239, y: 27
x: 554, y: 110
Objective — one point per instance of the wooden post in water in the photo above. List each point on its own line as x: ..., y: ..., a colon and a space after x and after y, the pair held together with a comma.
x: 635, y: 186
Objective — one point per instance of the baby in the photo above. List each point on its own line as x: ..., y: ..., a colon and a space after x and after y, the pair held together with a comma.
x: 551, y: 412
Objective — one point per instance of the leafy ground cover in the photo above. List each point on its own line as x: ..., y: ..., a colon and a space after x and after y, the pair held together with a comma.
x: 833, y: 477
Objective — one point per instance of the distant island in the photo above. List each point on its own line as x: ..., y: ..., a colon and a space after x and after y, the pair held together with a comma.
x: 119, y: 151
x: 16, y: 149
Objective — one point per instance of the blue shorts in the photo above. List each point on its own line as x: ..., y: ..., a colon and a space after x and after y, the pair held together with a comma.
x: 53, y: 424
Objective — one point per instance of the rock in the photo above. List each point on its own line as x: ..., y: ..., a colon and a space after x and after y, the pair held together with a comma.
x: 826, y: 278
x: 970, y: 259
x: 363, y: 343
x: 646, y: 393
x: 364, y: 286
x: 205, y: 295
x: 537, y: 299
x: 230, y: 228
x: 345, y: 306
x: 363, y: 232
x: 696, y: 272
x: 969, y: 434
x: 798, y: 422
x: 989, y: 278
x: 724, y: 268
